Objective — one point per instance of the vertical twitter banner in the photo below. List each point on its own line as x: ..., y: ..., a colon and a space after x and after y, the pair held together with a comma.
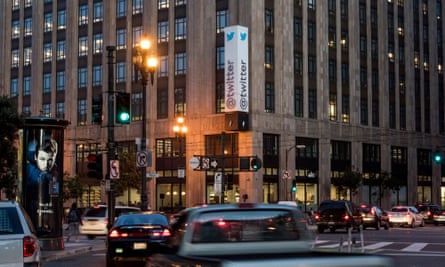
x: 236, y: 46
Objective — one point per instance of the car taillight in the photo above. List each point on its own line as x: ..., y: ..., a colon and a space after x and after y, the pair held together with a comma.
x: 29, y: 246
x: 164, y: 233
x: 429, y: 213
x: 346, y: 217
x: 117, y: 234
x: 408, y: 215
x: 317, y: 217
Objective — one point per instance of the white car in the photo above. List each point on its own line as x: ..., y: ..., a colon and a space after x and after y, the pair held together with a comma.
x: 95, y: 219
x: 19, y: 245
x: 405, y: 215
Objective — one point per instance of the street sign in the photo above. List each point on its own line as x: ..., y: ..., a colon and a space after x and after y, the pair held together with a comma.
x: 114, y: 169
x: 213, y: 163
x: 141, y: 159
x: 194, y: 162
x: 286, y: 174
x: 218, y: 183
x: 205, y: 163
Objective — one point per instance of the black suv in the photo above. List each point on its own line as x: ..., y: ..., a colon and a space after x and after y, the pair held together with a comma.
x: 427, y: 210
x: 338, y: 214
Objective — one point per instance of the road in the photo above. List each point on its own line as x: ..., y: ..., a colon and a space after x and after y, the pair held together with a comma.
x: 418, y: 247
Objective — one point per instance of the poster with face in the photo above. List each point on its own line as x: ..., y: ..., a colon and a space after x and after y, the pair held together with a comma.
x: 43, y: 177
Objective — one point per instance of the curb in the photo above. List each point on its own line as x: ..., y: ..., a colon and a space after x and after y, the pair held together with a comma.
x: 56, y: 255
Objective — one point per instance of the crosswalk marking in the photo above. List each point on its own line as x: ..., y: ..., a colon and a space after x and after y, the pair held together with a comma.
x: 378, y: 245
x: 415, y: 247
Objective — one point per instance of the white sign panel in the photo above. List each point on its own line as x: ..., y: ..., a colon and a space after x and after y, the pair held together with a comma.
x: 218, y: 183
x: 114, y: 169
x: 236, y: 48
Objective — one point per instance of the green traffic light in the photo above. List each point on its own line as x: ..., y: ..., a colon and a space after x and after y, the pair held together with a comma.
x: 124, y: 116
x: 438, y: 158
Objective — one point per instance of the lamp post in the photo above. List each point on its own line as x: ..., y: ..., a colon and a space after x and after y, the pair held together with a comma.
x: 180, y: 131
x: 288, y: 191
x: 145, y: 63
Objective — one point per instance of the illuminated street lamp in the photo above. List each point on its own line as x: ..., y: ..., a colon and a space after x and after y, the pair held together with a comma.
x: 180, y: 131
x: 144, y: 63
x: 288, y: 174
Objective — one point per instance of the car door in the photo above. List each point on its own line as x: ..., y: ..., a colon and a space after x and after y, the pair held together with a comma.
x: 417, y: 215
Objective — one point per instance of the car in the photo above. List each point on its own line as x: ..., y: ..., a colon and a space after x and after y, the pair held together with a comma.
x: 95, y: 219
x: 19, y: 245
x: 405, y: 216
x: 338, y: 214
x: 374, y: 216
x: 427, y: 210
x: 135, y: 237
x: 439, y: 217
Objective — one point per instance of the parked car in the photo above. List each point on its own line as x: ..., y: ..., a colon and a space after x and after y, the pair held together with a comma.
x: 373, y: 216
x: 19, y: 245
x: 439, y: 217
x: 427, y: 210
x: 405, y: 215
x: 337, y: 214
x: 95, y: 219
x: 136, y: 236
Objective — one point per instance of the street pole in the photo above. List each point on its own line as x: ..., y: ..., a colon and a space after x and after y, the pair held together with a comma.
x: 111, y: 144
x: 180, y: 131
x: 291, y: 175
x: 144, y: 203
x: 223, y: 183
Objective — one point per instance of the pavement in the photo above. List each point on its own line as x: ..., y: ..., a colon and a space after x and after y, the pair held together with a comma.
x: 71, y: 248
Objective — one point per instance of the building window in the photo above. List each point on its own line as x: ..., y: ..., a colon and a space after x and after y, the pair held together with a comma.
x: 180, y: 63
x: 298, y: 29
x: 121, y: 8
x: 220, y: 58
x: 179, y: 102
x: 15, y: 30
x: 345, y: 108
x: 28, y: 27
x: 340, y: 150
x: 375, y: 113
x: 268, y: 17
x: 269, y: 96
x: 83, y: 46
x: 298, y: 102
x: 98, y: 12
x: 83, y: 15
x: 344, y: 73
x: 81, y: 112
x: 163, y: 66
x: 61, y: 19
x: 60, y: 81
x: 46, y: 110
x: 311, y: 4
x: 269, y: 58
x: 28, y: 3
x: 298, y: 64
x: 136, y: 106
x: 61, y: 46
x: 180, y: 29
x: 332, y: 70
x: 26, y: 85
x: 121, y: 73
x: 312, y: 66
x: 162, y: 104
x: 27, y: 56
x: 363, y: 45
x: 311, y: 32
x: 46, y: 82
x: 15, y: 4
x: 47, y: 52
x: 222, y: 20
x: 97, y: 75
x: 163, y: 4
x: 137, y: 7
x: 14, y: 89
x: 15, y: 58
x: 48, y: 22
x: 220, y: 98
x: 162, y: 31
x: 332, y: 107
x: 98, y: 43
x: 82, y: 78
x: 121, y: 39
x: 60, y: 110
x: 312, y: 103
x: 180, y: 2
x: 137, y: 33
x: 26, y: 111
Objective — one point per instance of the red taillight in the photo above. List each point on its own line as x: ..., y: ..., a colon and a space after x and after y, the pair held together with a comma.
x: 29, y: 246
x: 116, y: 234
x: 317, y: 217
x: 346, y: 217
x: 429, y: 213
x: 407, y: 214
x: 164, y: 233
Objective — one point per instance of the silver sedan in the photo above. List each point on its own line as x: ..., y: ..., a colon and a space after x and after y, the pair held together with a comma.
x: 405, y: 215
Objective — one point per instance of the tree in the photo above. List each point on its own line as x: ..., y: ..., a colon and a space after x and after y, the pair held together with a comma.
x: 349, y: 180
x: 10, y: 122
x: 73, y: 188
x: 130, y: 175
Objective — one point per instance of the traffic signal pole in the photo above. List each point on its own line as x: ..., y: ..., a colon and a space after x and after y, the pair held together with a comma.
x: 111, y: 144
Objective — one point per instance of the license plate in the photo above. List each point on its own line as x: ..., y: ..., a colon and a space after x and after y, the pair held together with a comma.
x: 331, y: 223
x: 140, y: 246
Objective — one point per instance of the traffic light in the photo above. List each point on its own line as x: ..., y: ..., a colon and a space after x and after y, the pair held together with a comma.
x: 95, y: 166
x: 294, y: 186
x: 123, y: 108
x: 437, y: 156
x: 255, y: 163
x: 96, y: 110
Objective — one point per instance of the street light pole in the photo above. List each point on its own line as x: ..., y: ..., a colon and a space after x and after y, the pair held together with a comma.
x: 180, y: 131
x: 145, y: 64
x: 290, y: 175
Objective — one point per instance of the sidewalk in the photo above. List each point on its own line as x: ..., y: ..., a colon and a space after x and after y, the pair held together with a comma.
x: 83, y: 245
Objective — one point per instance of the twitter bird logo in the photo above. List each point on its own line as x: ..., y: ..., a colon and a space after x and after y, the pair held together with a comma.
x: 243, y: 36
x: 230, y: 36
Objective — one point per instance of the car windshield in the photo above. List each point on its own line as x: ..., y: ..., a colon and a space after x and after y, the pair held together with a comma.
x: 245, y: 226
x: 10, y: 222
x: 141, y: 219
x: 96, y: 212
x: 399, y: 209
